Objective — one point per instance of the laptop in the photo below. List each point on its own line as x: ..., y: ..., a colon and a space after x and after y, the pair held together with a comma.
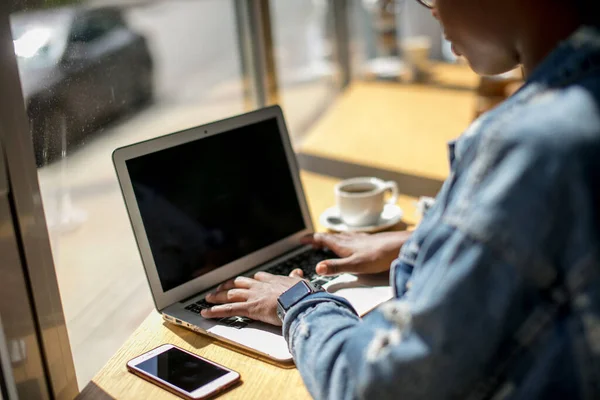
x: 221, y: 200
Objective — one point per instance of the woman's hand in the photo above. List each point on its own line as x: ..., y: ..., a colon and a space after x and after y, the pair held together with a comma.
x: 254, y: 298
x: 360, y: 253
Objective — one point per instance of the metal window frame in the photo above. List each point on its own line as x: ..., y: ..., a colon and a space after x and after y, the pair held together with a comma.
x: 257, y: 58
x: 341, y: 34
x: 254, y: 27
x: 29, y: 223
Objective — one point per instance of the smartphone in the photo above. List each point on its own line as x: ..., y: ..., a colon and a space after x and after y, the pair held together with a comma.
x: 182, y: 373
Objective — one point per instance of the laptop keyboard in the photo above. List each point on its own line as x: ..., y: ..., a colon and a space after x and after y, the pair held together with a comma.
x: 306, y: 261
x: 234, y: 322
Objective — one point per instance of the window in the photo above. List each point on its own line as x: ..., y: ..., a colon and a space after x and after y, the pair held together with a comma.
x: 304, y: 54
x: 140, y: 71
x: 160, y: 67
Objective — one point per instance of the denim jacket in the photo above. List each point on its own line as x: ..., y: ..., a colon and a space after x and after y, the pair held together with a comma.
x: 497, y: 292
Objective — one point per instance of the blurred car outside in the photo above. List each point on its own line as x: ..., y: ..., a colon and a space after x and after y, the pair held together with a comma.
x: 80, y: 67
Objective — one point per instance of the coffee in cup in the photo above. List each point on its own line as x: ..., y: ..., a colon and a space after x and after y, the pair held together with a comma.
x: 361, y: 200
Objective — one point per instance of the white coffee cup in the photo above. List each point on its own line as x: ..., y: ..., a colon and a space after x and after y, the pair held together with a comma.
x: 361, y: 200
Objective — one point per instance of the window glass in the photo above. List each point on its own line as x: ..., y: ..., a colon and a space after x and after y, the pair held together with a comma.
x: 304, y: 53
x: 95, y: 79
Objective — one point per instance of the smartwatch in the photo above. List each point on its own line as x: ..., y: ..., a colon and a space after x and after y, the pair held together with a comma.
x: 293, y: 295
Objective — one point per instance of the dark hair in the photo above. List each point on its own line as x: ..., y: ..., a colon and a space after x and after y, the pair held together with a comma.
x: 588, y: 10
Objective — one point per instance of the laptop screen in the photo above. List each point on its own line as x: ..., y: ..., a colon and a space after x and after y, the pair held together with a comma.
x: 209, y: 202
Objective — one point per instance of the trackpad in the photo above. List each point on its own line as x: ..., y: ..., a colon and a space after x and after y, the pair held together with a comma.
x: 364, y: 292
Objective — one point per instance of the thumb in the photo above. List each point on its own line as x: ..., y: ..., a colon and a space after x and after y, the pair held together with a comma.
x: 338, y: 266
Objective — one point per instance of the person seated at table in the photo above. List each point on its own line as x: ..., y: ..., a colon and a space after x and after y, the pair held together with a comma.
x: 497, y: 291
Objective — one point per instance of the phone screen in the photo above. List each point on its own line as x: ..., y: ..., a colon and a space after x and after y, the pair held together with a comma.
x: 181, y: 369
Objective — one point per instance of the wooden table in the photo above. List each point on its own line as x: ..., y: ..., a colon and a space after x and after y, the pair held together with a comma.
x: 396, y: 127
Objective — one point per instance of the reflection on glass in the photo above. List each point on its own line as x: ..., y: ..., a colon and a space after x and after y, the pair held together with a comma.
x: 304, y: 52
x: 31, y: 42
x: 78, y: 69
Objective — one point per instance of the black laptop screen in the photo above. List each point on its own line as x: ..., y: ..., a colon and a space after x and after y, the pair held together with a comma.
x: 208, y: 202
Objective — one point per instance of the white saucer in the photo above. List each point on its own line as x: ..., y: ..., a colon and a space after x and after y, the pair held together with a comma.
x: 391, y: 215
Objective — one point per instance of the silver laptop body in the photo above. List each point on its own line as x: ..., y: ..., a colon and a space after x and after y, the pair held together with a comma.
x: 217, y: 201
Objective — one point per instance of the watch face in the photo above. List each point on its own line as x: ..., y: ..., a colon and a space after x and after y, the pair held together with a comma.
x: 294, y: 294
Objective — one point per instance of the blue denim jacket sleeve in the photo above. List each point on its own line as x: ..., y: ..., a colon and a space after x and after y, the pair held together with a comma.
x: 412, y: 348
x: 494, y: 237
x: 437, y: 339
